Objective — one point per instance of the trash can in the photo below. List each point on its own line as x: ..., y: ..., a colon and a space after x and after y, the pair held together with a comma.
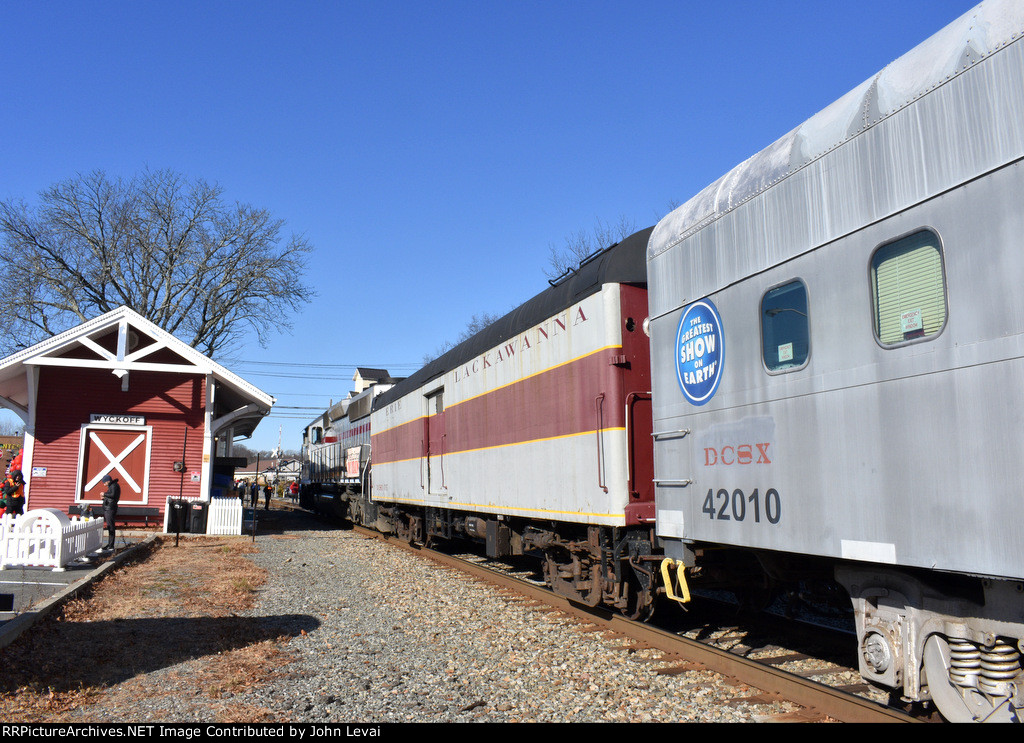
x: 178, y: 516
x: 197, y: 520
x: 248, y: 520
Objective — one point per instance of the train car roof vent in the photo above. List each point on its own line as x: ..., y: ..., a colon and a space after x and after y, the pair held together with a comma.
x: 570, y: 272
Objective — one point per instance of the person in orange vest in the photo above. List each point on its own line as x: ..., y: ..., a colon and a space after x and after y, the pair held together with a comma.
x: 14, y: 493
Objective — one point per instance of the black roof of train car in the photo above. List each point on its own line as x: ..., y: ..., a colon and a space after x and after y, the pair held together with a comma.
x: 624, y: 262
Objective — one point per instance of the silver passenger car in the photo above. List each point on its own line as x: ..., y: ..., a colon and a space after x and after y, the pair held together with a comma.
x: 837, y: 336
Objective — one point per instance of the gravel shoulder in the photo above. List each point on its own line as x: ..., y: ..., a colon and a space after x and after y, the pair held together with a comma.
x: 316, y: 624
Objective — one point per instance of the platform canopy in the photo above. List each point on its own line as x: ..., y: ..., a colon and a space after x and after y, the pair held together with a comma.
x: 125, y: 343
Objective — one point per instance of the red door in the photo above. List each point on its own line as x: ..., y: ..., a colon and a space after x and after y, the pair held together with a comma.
x: 123, y: 454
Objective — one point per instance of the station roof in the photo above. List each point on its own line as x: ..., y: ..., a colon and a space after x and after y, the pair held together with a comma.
x: 123, y: 342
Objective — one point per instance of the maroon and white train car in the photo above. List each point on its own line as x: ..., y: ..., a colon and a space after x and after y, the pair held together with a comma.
x: 535, y: 436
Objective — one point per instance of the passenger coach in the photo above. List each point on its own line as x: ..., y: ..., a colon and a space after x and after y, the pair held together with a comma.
x: 534, y: 436
x: 837, y: 338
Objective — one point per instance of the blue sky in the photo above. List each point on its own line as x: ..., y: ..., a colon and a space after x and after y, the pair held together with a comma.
x: 431, y: 152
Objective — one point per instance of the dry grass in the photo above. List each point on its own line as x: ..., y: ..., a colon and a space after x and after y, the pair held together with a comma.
x: 166, y: 624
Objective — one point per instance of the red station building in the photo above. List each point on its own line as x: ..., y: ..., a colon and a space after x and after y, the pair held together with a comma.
x: 119, y: 395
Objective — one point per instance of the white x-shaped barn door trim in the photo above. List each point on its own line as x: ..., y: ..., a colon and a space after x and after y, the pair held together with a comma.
x: 115, y: 461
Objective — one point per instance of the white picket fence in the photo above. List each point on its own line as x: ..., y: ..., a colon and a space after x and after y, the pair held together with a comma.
x: 223, y: 515
x: 46, y: 537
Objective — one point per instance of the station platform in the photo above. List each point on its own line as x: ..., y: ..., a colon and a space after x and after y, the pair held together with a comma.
x: 27, y: 591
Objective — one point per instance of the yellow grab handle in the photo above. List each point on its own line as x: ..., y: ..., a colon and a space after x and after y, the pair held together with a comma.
x: 666, y: 566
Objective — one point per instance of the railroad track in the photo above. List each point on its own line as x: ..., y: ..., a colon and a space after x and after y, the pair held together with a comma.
x: 765, y: 678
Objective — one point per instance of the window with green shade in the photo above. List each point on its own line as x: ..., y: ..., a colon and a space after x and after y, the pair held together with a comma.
x: 908, y: 289
x: 785, y: 332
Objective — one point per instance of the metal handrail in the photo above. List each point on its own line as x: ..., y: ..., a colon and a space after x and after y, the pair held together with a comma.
x: 600, y: 459
x: 681, y: 433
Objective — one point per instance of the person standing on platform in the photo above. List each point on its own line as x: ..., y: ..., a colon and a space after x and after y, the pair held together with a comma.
x: 110, y: 498
x: 14, y: 493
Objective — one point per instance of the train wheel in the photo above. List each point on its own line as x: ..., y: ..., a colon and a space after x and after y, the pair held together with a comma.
x: 409, y: 529
x: 636, y: 592
x: 960, y: 703
x: 577, y: 581
x: 639, y: 601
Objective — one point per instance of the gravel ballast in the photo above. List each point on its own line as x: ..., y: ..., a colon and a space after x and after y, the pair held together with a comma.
x: 401, y: 639
x: 348, y: 629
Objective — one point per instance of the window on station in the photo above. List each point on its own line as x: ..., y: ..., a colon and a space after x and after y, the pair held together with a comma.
x: 908, y: 289
x: 785, y: 330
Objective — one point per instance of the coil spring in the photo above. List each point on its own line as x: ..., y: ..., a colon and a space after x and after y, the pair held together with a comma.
x: 989, y: 669
x: 1000, y: 664
x: 964, y: 663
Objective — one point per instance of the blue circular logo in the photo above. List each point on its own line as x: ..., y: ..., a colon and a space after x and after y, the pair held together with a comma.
x: 700, y: 352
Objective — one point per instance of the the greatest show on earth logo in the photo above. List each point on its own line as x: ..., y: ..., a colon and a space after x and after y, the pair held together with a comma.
x: 700, y: 352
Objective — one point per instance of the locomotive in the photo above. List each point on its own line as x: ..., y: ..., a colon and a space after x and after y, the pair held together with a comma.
x: 336, y: 449
x: 805, y: 377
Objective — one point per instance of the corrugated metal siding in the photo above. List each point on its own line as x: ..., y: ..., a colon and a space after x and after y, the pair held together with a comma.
x: 171, y: 403
x: 793, y: 197
x: 908, y: 454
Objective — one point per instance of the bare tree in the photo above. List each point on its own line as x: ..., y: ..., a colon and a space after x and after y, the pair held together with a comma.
x: 478, y: 322
x: 582, y: 244
x: 168, y: 247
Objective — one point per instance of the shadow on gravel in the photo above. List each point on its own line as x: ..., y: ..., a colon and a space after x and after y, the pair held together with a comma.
x: 285, y: 519
x: 106, y: 653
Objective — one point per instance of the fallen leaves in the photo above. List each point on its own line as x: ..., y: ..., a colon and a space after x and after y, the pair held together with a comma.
x: 181, y: 606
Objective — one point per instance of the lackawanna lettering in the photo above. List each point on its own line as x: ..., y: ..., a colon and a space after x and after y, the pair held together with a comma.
x: 730, y: 455
x: 551, y: 329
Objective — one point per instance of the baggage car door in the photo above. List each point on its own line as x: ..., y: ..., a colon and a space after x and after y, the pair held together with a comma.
x: 640, y: 452
x: 435, y: 441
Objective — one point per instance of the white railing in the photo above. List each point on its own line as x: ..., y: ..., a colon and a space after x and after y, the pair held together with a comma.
x: 224, y: 516
x: 6, y: 524
x: 46, y: 537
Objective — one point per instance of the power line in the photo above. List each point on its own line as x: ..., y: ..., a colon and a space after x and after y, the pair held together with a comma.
x: 311, y: 365
x: 320, y: 377
x: 300, y: 394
